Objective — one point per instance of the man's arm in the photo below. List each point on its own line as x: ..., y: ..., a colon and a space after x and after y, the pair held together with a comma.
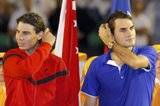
x: 90, y: 89
x: 125, y: 54
x: 16, y: 66
x: 130, y: 58
x: 89, y: 100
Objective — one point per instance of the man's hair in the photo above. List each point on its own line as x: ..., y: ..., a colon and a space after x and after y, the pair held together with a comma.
x: 114, y: 16
x: 34, y: 20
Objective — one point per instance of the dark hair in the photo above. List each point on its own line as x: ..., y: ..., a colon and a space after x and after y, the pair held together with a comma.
x: 114, y: 16
x: 33, y: 19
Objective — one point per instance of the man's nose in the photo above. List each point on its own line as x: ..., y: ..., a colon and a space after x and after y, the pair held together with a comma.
x: 21, y: 37
x: 129, y: 33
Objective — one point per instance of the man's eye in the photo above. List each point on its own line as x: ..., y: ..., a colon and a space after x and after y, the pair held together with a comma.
x: 26, y: 33
x: 122, y: 30
x: 17, y: 31
x: 132, y: 28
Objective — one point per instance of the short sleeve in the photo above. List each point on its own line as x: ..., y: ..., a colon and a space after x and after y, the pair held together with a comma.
x: 151, y: 55
x: 91, y: 85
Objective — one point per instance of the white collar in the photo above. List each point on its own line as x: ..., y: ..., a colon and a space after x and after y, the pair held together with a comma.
x: 113, y: 63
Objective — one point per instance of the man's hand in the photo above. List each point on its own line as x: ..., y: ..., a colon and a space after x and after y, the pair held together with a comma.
x: 106, y: 35
x: 48, y: 37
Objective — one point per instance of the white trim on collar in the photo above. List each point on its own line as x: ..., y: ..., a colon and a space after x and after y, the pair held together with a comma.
x: 113, y: 63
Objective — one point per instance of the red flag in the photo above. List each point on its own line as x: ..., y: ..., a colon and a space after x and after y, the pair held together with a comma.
x: 67, y: 46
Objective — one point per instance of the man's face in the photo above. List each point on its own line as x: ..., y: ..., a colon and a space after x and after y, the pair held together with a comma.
x: 26, y: 36
x: 124, y: 32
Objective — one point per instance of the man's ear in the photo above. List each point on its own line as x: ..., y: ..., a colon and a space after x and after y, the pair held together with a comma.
x: 40, y: 34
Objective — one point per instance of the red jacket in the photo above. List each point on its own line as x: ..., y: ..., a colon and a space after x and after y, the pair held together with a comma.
x: 39, y: 79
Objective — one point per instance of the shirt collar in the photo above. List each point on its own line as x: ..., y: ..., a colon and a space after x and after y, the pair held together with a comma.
x: 109, y: 61
x: 113, y: 63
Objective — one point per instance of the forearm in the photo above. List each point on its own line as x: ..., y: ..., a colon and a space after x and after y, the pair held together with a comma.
x: 35, y: 61
x: 16, y: 66
x: 128, y: 57
x: 90, y: 101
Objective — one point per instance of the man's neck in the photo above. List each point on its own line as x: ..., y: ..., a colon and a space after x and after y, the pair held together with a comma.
x: 116, y: 59
x: 31, y: 50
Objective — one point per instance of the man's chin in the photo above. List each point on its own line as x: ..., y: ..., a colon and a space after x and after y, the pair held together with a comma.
x: 128, y: 45
x: 22, y: 48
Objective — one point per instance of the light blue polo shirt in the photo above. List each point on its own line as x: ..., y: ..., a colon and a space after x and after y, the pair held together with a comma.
x: 121, y: 85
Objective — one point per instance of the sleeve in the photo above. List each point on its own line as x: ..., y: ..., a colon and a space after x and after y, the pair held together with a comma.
x: 62, y: 84
x: 15, y: 66
x: 91, y: 86
x: 151, y: 55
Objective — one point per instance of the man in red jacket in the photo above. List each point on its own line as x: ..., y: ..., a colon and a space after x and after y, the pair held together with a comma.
x: 33, y: 76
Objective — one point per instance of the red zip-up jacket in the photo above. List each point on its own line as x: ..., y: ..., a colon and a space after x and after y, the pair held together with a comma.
x: 39, y: 79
